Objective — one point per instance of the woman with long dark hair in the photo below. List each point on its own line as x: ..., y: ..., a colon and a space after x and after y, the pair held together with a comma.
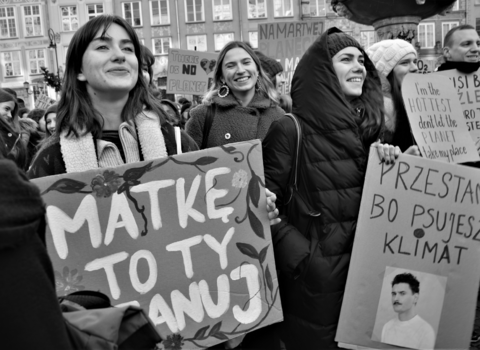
x: 106, y: 115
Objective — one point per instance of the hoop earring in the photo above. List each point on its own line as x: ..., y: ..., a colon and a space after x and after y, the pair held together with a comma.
x: 225, y: 88
x: 258, y: 85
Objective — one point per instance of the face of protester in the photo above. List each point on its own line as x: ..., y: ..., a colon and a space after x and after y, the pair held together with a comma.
x: 41, y: 125
x: 403, y: 299
x: 280, y: 81
x: 109, y: 64
x: 239, y: 71
x: 408, y: 64
x: 464, y: 46
x: 51, y: 122
x: 6, y: 110
x: 350, y: 69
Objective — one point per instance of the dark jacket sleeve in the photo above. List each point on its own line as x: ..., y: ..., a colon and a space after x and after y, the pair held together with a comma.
x: 194, y: 126
x: 290, y: 246
x: 48, y: 161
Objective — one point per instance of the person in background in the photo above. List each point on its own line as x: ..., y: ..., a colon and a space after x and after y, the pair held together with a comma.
x: 106, y: 116
x: 50, y: 120
x: 461, y: 49
x: 273, y: 69
x: 337, y: 100
x: 37, y: 116
x: 23, y: 113
x: 286, y: 103
x: 173, y: 114
x: 394, y: 59
x: 147, y: 66
x: 185, y: 112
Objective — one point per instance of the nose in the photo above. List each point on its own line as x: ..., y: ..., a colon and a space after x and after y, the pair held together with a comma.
x: 118, y: 55
x: 475, y: 47
x: 413, y: 67
x: 240, y: 68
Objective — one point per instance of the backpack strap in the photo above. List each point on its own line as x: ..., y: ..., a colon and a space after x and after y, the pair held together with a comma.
x: 178, y: 139
x: 293, y: 179
x: 208, y: 124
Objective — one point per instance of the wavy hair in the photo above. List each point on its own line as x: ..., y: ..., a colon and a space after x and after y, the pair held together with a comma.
x: 75, y: 113
x: 267, y: 88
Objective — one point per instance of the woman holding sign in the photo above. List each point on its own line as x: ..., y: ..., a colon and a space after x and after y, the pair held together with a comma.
x: 106, y: 116
x: 338, y: 102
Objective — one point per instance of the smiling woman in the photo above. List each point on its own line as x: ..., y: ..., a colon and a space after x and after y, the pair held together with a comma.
x: 106, y: 115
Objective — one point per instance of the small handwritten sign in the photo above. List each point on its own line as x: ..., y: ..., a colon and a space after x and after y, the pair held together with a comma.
x: 419, y: 217
x: 43, y: 102
x: 190, y: 72
x: 436, y: 119
x: 187, y: 238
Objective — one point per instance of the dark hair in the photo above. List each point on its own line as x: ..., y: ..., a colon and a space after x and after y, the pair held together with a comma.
x: 148, y: 61
x: 36, y: 114
x: 177, y: 120
x: 22, y: 111
x: 267, y: 87
x: 448, y: 37
x: 17, y: 152
x: 402, y: 125
x: 11, y: 92
x: 286, y: 103
x: 75, y: 112
x: 408, y: 278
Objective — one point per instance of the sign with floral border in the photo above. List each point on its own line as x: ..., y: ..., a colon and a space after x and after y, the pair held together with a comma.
x: 186, y: 238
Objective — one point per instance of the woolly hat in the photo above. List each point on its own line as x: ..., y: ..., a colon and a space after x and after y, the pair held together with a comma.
x: 339, y: 41
x: 51, y: 109
x: 270, y: 65
x: 386, y: 53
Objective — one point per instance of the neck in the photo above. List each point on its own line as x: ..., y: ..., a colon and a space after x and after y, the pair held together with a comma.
x: 110, y: 108
x: 244, y: 97
x: 407, y: 315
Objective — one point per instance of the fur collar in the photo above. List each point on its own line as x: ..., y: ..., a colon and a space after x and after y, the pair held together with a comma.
x: 80, y: 154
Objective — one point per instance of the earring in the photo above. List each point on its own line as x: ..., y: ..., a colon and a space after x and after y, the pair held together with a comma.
x: 258, y: 85
x: 226, y: 90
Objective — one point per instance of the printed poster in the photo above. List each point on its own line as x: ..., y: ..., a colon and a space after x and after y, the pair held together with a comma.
x: 287, y: 42
x: 419, y: 220
x: 187, y: 238
x: 436, y: 119
x: 190, y: 72
x: 43, y: 102
x: 468, y: 90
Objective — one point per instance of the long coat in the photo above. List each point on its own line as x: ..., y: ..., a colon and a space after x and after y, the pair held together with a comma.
x: 313, y: 243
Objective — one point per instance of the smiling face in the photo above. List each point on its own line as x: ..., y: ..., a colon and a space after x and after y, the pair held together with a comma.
x: 463, y: 46
x: 280, y: 82
x: 403, y: 299
x: 350, y: 69
x: 109, y: 64
x: 408, y: 64
x: 239, y: 71
x: 50, y: 122
x: 6, y: 111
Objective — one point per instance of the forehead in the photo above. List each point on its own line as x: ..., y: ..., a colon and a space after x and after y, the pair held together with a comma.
x: 409, y: 56
x: 464, y: 35
x: 402, y: 287
x: 115, y: 31
x: 236, y: 54
x: 350, y: 50
x: 10, y: 104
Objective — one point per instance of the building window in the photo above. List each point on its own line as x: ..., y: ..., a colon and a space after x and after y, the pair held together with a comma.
x: 283, y: 8
x: 94, y: 10
x: 197, y: 42
x: 132, y: 13
x: 33, y: 20
x: 257, y: 9
x: 477, y: 2
x: 36, y: 59
x: 11, y: 63
x: 161, y: 45
x: 367, y: 38
x: 253, y: 39
x: 222, y: 10
x: 318, y: 8
x: 159, y: 13
x: 194, y: 10
x: 7, y: 22
x: 426, y: 35
x: 69, y: 18
x: 222, y: 39
x: 446, y: 26
x: 456, y: 6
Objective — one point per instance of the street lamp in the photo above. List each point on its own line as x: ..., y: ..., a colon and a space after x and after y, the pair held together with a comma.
x: 53, y: 46
x: 26, y: 85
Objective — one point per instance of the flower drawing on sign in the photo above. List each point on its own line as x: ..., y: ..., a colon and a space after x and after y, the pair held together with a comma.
x: 240, y: 179
x: 68, y: 281
x: 173, y: 342
x: 107, y: 184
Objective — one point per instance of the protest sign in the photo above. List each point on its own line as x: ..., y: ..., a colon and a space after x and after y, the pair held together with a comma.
x: 190, y: 72
x: 426, y: 65
x: 468, y: 90
x: 43, y: 102
x: 187, y: 238
x: 421, y: 217
x: 287, y: 42
x: 436, y: 119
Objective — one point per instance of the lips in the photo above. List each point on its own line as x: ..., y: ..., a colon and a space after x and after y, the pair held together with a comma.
x: 242, y: 79
x: 118, y: 70
x: 355, y: 80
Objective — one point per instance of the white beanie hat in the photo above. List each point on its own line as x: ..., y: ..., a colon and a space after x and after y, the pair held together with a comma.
x: 386, y: 53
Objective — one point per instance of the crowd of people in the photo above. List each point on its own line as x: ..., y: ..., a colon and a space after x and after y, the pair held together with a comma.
x: 346, y: 99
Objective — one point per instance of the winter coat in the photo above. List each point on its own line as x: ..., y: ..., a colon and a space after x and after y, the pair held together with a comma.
x: 233, y: 122
x: 313, y: 243
x: 144, y: 139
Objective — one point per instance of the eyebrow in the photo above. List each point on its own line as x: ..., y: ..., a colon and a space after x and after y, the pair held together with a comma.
x: 351, y: 55
x: 109, y: 40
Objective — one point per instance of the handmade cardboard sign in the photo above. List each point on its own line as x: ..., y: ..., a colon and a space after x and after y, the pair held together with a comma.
x: 190, y: 72
x: 187, y: 238
x: 287, y: 42
x: 436, y: 119
x: 468, y: 90
x: 43, y: 102
x: 414, y: 277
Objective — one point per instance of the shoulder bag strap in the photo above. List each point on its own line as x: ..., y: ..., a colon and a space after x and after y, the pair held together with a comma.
x: 208, y: 125
x: 293, y: 179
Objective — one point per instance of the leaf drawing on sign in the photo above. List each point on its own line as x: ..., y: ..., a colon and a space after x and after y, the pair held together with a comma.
x: 232, y: 150
x: 107, y: 184
x: 67, y: 186
x: 255, y: 223
x: 263, y: 254
x: 248, y: 250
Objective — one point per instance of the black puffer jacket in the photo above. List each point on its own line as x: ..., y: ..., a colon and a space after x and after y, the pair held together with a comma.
x: 313, y: 244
